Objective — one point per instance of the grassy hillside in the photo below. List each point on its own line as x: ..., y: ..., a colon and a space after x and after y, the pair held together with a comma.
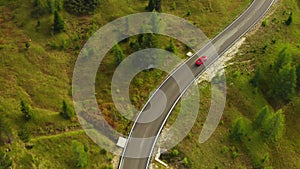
x: 261, y: 50
x: 36, y: 67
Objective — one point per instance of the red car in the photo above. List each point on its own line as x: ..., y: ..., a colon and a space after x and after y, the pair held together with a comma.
x: 200, y: 60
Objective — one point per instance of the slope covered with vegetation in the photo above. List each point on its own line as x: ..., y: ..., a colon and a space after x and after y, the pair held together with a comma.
x: 39, y: 44
x: 259, y: 127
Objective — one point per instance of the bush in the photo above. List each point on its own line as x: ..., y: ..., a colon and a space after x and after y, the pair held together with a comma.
x: 265, y: 23
x: 26, y: 110
x: 81, y: 7
x: 186, y: 161
x: 188, y: 12
x: 59, y: 23
x: 154, y: 5
x: 175, y: 152
x: 66, y: 111
x: 80, y: 155
x: 289, y: 21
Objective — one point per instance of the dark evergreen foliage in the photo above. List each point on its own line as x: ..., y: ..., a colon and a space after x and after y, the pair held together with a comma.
x: 81, y: 7
x: 154, y: 5
x: 59, y: 23
x: 289, y: 21
x: 66, y: 111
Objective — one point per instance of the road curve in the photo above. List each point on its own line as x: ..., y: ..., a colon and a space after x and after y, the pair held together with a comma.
x: 222, y: 42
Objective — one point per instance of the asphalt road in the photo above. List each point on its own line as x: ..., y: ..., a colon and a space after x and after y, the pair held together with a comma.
x: 140, y: 151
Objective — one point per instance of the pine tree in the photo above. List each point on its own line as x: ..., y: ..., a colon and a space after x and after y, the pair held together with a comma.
x: 172, y: 47
x: 158, y: 6
x: 284, y: 58
x: 284, y: 81
x: 255, y: 80
x: 275, y: 126
x: 261, y: 118
x: 154, y: 5
x: 66, y: 111
x: 118, y: 54
x: 286, y: 84
x: 151, y: 5
x: 59, y: 24
x: 239, y: 130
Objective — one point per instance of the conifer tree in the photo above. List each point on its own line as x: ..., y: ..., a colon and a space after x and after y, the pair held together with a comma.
x: 59, y: 23
x: 239, y: 130
x: 66, y: 111
x: 275, y: 126
x: 262, y: 118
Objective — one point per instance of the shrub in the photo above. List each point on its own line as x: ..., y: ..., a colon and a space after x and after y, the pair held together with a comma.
x: 118, y: 54
x: 186, y: 161
x: 289, y: 21
x: 175, y: 152
x: 26, y: 110
x: 66, y: 111
x: 80, y: 155
x: 59, y: 23
x: 154, y: 5
x: 188, y: 12
x: 27, y: 45
x: 265, y: 23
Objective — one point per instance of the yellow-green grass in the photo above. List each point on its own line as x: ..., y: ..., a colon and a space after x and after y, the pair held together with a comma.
x: 41, y: 75
x: 243, y: 100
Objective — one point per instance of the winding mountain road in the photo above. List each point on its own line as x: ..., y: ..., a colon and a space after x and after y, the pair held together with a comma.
x: 171, y: 88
